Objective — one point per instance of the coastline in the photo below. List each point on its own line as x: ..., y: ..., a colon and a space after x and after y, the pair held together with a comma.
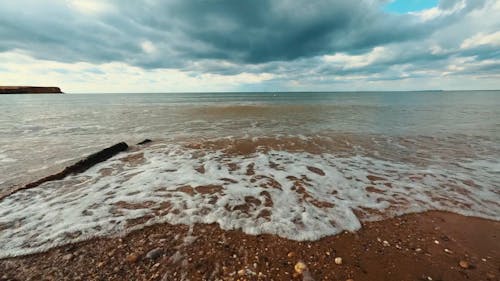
x: 424, y: 246
x: 9, y: 90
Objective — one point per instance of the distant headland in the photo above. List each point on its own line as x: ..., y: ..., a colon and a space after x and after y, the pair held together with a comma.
x: 29, y: 90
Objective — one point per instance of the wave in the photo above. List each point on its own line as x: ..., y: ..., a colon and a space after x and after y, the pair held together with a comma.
x: 292, y: 187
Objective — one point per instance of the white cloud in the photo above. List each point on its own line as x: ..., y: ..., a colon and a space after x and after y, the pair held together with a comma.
x: 492, y: 39
x: 90, y: 6
x: 148, y: 47
x: 357, y: 61
x: 435, y: 12
x: 20, y: 69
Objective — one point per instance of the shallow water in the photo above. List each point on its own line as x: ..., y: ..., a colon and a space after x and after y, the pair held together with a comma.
x: 300, y: 165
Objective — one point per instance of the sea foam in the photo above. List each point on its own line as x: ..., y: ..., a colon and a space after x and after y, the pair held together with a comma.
x: 297, y: 195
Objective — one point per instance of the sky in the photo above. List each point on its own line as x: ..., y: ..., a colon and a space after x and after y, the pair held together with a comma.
x: 97, y: 46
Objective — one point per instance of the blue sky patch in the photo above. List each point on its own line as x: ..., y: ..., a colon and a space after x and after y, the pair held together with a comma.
x: 405, y: 6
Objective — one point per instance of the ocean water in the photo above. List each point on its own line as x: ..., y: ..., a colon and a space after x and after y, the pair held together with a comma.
x: 298, y: 165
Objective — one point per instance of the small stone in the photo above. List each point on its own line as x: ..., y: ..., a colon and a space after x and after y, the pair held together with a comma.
x: 291, y: 255
x: 483, y: 259
x: 300, y: 267
x: 241, y: 272
x: 338, y: 260
x: 429, y: 278
x: 101, y: 264
x: 386, y: 244
x: 448, y: 251
x: 327, y: 253
x: 464, y: 264
x: 418, y: 250
x: 67, y: 257
x: 154, y: 254
x: 436, y: 242
x: 132, y: 258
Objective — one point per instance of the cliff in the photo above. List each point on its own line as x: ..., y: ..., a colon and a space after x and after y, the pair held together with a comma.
x: 29, y: 90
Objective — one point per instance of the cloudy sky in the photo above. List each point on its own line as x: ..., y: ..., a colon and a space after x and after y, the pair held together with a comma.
x: 258, y: 45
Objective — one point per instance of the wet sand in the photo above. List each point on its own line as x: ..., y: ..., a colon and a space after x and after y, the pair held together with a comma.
x: 426, y: 246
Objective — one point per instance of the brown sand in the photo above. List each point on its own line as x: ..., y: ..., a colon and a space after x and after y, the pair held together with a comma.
x: 427, y: 246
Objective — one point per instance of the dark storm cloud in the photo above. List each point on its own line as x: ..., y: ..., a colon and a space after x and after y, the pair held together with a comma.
x: 272, y: 36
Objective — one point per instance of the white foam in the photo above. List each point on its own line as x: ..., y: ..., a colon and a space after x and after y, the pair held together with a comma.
x: 306, y: 205
x: 5, y: 159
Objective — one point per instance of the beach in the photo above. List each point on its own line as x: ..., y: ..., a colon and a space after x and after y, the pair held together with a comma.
x: 426, y: 246
x: 251, y: 186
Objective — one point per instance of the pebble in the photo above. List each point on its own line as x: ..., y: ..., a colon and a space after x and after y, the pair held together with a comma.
x: 448, y: 251
x: 436, y: 242
x: 386, y: 244
x: 464, y: 264
x: 338, y: 260
x: 154, y: 254
x: 132, y: 258
x: 291, y: 255
x: 67, y: 257
x: 300, y: 267
x: 241, y: 272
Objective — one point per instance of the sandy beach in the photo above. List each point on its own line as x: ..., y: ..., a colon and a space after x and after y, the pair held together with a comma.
x: 426, y: 246
x: 271, y: 140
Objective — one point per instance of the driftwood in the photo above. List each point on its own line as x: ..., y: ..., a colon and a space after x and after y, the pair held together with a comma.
x: 79, y: 167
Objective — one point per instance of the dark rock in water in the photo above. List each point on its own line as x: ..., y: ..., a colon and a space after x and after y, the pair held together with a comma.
x: 95, y: 158
x: 144, y: 142
x: 154, y: 254
x: 79, y: 167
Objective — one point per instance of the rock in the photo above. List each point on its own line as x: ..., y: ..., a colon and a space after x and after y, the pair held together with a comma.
x: 464, y: 264
x: 386, y: 244
x: 154, y: 254
x: 67, y: 257
x: 291, y: 255
x: 300, y: 267
x: 144, y: 142
x: 241, y: 272
x: 338, y: 260
x: 448, y: 251
x: 132, y: 258
x: 436, y: 242
x: 79, y: 167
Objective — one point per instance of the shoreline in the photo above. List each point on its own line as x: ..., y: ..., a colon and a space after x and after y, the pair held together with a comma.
x: 424, y: 246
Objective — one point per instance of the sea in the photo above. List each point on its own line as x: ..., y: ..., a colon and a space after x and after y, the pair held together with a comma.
x: 301, y: 165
